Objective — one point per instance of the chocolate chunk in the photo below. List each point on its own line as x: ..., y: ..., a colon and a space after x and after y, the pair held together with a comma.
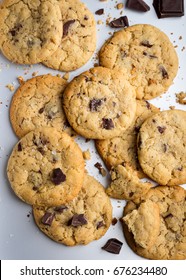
x: 107, y: 124
x: 48, y: 218
x: 40, y: 149
x: 148, y: 105
x: 169, y: 8
x: 41, y: 110
x: 113, y: 246
x: 164, y: 72
x: 138, y: 5
x: 16, y: 29
x: 19, y: 147
x: 98, y: 166
x: 66, y: 27
x: 77, y: 220
x: 149, y: 55
x: 146, y: 43
x: 58, y: 176
x: 95, y: 104
x: 86, y: 17
x: 119, y: 22
x: 114, y: 221
x: 161, y: 129
x: 99, y: 12
x: 100, y: 224
x: 60, y: 209
x: 164, y: 148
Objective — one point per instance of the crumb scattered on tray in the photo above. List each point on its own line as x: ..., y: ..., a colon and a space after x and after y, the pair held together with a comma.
x: 119, y: 6
x: 66, y: 76
x: 86, y: 155
x: 10, y: 87
x: 181, y: 97
x: 172, y: 107
x: 20, y: 80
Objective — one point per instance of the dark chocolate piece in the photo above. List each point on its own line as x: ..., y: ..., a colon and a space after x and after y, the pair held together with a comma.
x: 138, y: 5
x: 113, y: 246
x: 48, y: 218
x: 146, y: 43
x: 165, y: 75
x: 161, y: 129
x: 119, y: 22
x: 95, y: 104
x: 100, y: 224
x: 16, y: 29
x: 169, y: 8
x: 19, y: 147
x: 77, y: 220
x: 99, y: 12
x: 58, y: 176
x: 60, y: 209
x: 66, y: 27
x: 149, y: 55
x: 114, y: 221
x: 107, y: 124
x: 41, y: 110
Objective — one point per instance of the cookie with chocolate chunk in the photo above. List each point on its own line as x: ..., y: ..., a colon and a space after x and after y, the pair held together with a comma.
x: 144, y: 51
x: 78, y: 42
x: 46, y: 168
x: 100, y: 103
x: 38, y: 103
x: 86, y: 218
x: 169, y: 243
x: 30, y: 31
x: 122, y: 149
x: 162, y: 149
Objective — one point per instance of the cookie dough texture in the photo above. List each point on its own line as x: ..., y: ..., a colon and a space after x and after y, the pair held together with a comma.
x: 30, y: 30
x: 38, y: 103
x: 170, y: 243
x: 125, y: 184
x: 123, y: 148
x: 144, y: 51
x: 46, y: 168
x: 92, y: 202
x: 144, y: 223
x: 78, y: 42
x: 162, y: 147
x: 100, y: 103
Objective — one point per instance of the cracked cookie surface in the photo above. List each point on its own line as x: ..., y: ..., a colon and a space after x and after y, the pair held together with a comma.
x: 170, y: 243
x: 99, y: 103
x: 38, y: 103
x: 81, y: 221
x: 78, y: 42
x: 123, y: 149
x: 144, y: 51
x: 162, y: 147
x: 30, y: 31
x: 46, y: 167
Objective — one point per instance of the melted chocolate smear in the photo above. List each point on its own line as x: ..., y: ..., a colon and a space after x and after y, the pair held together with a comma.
x: 41, y: 110
x: 77, y: 220
x: 58, y: 176
x: 113, y: 246
x: 119, y: 22
x: 66, y: 27
x: 48, y: 218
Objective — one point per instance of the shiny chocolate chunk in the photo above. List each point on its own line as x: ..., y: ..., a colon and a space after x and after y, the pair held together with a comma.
x: 119, y: 22
x: 149, y: 55
x: 107, y: 123
x: 113, y: 246
x: 48, y: 218
x: 138, y: 5
x: 169, y: 8
x: 41, y: 110
x: 66, y: 27
x: 99, y: 12
x: 58, y: 176
x: 77, y: 220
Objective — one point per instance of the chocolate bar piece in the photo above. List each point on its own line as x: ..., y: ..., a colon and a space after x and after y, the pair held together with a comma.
x: 169, y: 8
x: 138, y: 5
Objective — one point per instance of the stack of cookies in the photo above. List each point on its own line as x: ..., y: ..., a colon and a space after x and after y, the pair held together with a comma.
x: 108, y: 104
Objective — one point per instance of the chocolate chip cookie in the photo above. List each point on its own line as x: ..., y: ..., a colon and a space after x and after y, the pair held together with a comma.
x: 78, y: 41
x: 144, y: 51
x: 30, y: 31
x: 162, y: 147
x: 46, y: 168
x: 82, y: 220
x: 100, y: 103
x: 38, y: 103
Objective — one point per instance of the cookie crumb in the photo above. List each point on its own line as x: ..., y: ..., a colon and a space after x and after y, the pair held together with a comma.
x: 99, y: 22
x: 119, y: 6
x: 181, y: 98
x: 66, y: 76
x: 86, y: 155
x: 172, y: 107
x: 20, y: 80
x: 10, y: 87
x: 102, y: 171
x: 34, y: 74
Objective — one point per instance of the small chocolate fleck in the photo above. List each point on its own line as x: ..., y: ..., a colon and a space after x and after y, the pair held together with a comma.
x: 60, y: 209
x: 148, y: 105
x: 114, y: 221
x: 86, y: 17
x: 16, y: 29
x: 180, y: 168
x: 95, y: 104
x: 107, y: 123
x: 123, y: 54
x: 41, y: 110
x: 164, y: 148
x: 100, y: 224
x: 98, y: 165
x: 119, y: 22
x: 146, y: 43
x: 164, y: 72
x: 19, y: 147
x: 131, y: 194
x: 58, y: 176
x: 40, y: 149
x: 99, y: 12
x: 149, y: 55
x: 66, y: 27
x: 161, y: 129
x: 48, y: 218
x: 77, y: 220
x: 113, y: 246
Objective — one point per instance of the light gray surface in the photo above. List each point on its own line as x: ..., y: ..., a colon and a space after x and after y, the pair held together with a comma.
x: 19, y: 236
